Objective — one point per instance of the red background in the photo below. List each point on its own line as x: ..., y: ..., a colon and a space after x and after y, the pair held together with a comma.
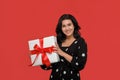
x: 23, y: 20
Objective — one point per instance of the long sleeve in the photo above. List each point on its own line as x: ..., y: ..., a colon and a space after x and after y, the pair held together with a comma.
x: 79, y: 59
x: 52, y: 66
x: 65, y: 70
x: 46, y: 68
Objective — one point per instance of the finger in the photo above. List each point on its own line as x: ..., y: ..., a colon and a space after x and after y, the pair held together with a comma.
x: 55, y: 52
x: 55, y: 49
x: 56, y: 44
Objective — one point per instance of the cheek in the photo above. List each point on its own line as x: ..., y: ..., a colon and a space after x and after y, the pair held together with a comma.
x: 72, y: 28
x: 63, y: 29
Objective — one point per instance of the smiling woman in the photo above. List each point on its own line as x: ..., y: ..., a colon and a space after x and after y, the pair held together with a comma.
x: 72, y: 50
x: 67, y: 27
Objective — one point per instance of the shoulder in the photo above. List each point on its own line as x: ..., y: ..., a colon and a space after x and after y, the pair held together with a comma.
x: 81, y: 40
x: 82, y: 44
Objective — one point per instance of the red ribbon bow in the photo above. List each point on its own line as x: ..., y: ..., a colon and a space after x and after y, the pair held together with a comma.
x: 40, y: 50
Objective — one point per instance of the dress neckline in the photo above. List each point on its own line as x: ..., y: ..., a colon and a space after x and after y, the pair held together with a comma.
x: 69, y: 45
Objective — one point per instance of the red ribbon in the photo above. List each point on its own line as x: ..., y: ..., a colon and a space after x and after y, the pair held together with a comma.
x: 40, y: 50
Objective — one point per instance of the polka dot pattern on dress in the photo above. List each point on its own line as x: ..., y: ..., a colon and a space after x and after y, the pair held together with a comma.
x: 51, y: 76
x: 64, y: 72
x: 76, y: 64
x: 57, y: 70
x: 75, y: 42
x: 77, y: 74
x: 66, y: 49
x: 83, y: 54
x: 71, y: 72
x: 76, y: 57
x: 62, y: 60
x: 63, y: 79
x: 78, y: 47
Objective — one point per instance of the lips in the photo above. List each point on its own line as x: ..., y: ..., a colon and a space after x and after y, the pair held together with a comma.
x: 67, y: 32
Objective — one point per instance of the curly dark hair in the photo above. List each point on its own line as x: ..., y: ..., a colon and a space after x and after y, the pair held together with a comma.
x: 60, y: 35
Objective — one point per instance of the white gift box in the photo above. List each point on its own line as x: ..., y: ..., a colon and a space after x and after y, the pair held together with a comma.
x: 47, y: 42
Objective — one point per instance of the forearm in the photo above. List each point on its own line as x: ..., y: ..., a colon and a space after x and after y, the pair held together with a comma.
x: 63, y: 54
x: 66, y: 56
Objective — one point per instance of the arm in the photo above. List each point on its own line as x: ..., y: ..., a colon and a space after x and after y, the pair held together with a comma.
x: 79, y: 60
x: 65, y: 55
x: 46, y: 68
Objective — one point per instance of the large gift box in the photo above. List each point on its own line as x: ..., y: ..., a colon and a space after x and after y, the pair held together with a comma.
x: 41, y: 51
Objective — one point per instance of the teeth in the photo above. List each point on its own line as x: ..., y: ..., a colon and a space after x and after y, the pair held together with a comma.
x: 67, y: 31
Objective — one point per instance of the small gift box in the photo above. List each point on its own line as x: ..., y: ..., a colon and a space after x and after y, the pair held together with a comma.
x: 41, y: 51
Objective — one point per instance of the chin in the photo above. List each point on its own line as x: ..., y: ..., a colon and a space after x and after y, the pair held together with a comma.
x: 68, y: 35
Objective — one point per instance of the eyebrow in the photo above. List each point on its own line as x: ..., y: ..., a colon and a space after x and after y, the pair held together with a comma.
x: 69, y: 23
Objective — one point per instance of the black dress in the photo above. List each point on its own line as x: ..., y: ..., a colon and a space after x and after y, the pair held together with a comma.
x: 65, y: 70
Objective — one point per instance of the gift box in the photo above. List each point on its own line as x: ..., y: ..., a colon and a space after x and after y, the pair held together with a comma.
x: 41, y: 51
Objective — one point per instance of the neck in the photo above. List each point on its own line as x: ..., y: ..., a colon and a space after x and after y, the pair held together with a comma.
x: 70, y: 37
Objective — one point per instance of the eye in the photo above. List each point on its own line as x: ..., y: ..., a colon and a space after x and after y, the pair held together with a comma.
x: 69, y: 24
x: 63, y: 25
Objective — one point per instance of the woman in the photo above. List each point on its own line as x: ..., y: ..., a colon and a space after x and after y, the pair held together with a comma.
x: 71, y: 48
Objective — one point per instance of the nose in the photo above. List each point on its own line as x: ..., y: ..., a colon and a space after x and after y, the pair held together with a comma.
x: 67, y: 27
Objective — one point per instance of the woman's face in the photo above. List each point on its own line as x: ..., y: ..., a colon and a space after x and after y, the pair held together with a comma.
x: 67, y: 27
